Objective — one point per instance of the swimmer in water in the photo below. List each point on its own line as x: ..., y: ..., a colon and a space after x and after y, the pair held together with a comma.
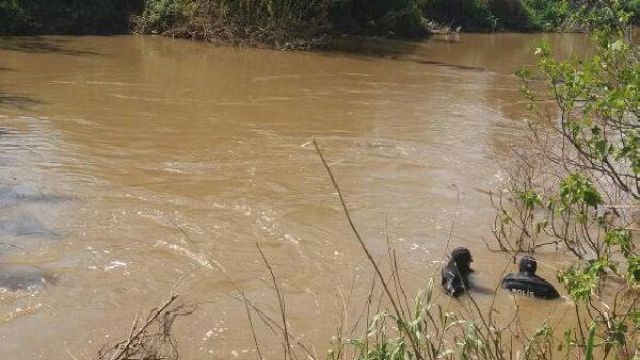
x: 526, y: 282
x: 455, y: 275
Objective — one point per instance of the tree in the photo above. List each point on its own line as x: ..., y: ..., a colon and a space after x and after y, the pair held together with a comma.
x: 577, y: 185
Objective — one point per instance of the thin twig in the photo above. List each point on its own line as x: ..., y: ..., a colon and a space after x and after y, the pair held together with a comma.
x: 66, y: 348
x: 143, y: 328
x: 367, y: 252
x: 453, y: 223
x: 253, y: 330
x: 281, y: 302
x: 215, y: 265
x: 273, y: 325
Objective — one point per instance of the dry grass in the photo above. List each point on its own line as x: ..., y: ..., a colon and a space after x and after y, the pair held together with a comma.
x: 150, y: 338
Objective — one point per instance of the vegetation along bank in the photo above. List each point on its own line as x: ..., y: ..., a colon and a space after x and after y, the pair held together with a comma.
x: 286, y: 23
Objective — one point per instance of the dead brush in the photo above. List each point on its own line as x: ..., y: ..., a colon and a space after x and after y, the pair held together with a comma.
x: 151, y: 338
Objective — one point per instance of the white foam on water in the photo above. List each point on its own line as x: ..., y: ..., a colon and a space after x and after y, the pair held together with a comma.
x: 201, y: 259
x: 114, y: 265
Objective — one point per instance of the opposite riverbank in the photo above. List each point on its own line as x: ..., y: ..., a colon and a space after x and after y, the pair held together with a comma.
x: 285, y: 24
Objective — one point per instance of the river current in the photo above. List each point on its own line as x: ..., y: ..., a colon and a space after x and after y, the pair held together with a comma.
x: 131, y: 164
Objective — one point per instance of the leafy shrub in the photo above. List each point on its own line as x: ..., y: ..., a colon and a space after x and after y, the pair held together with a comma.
x: 536, y: 15
x: 547, y: 15
x: 66, y: 16
x: 402, y: 17
x: 581, y: 161
x: 467, y: 14
x: 161, y: 15
x: 279, y: 23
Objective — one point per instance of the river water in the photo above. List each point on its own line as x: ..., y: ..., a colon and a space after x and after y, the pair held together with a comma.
x: 130, y: 164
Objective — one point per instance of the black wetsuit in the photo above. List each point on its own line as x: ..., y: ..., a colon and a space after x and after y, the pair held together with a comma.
x: 455, y: 275
x: 453, y: 282
x: 527, y: 283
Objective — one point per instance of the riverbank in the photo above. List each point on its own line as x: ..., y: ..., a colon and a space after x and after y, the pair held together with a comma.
x: 282, y: 23
x: 58, y: 17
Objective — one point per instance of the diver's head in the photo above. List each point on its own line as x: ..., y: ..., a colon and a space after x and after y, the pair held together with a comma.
x: 462, y: 257
x: 528, y: 265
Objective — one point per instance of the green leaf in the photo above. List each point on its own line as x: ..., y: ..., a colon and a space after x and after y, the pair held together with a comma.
x: 588, y: 352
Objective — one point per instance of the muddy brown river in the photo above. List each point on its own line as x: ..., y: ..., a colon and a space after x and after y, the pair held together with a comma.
x: 130, y: 164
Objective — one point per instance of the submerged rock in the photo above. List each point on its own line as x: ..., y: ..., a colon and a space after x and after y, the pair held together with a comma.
x: 15, y: 194
x: 20, y: 209
x: 23, y: 278
x: 25, y: 225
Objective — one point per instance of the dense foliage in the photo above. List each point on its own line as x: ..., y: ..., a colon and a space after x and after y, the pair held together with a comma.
x: 577, y: 185
x: 281, y: 22
x: 526, y: 15
x: 66, y: 16
x: 377, y: 16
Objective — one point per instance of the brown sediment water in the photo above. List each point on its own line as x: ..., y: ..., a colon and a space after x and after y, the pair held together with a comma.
x: 131, y: 163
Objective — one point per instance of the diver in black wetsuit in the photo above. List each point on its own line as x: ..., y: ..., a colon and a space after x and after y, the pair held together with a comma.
x: 526, y: 282
x: 455, y: 276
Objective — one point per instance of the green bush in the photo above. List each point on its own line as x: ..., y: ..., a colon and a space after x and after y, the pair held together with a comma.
x: 547, y: 15
x: 528, y: 15
x: 279, y: 23
x: 467, y: 14
x: 161, y: 15
x: 11, y: 16
x: 582, y: 162
x: 401, y: 17
x: 66, y: 16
